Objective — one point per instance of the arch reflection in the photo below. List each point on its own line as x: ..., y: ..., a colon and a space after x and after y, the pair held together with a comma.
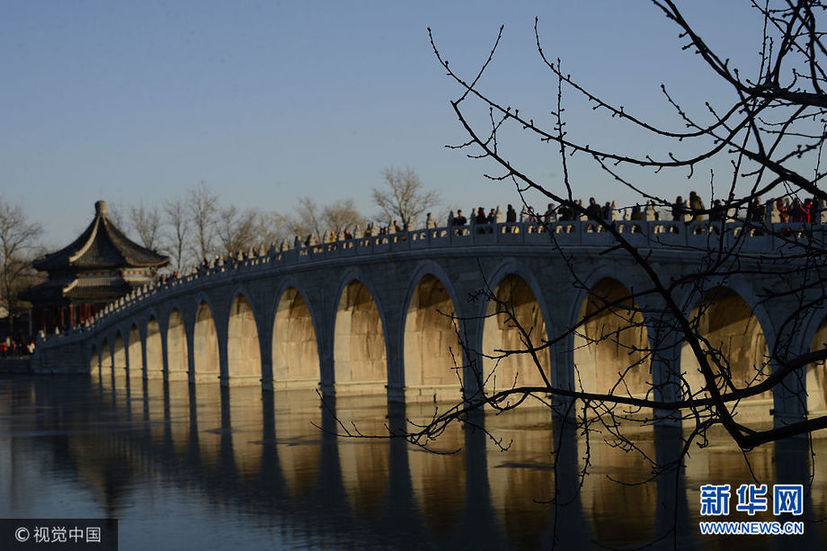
x: 620, y: 481
x: 438, y: 480
x: 245, y: 419
x: 364, y: 462
x: 297, y: 416
x: 521, y: 478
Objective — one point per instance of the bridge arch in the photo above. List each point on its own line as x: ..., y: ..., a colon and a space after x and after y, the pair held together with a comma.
x: 106, y: 352
x: 118, y: 351
x: 730, y: 322
x: 813, y: 337
x: 205, y: 342
x: 177, y: 349
x: 154, y: 348
x: 816, y: 378
x: 294, y: 341
x: 94, y: 358
x: 134, y: 355
x: 360, y: 349
x: 516, y: 290
x: 106, y: 370
x: 118, y: 358
x: 431, y: 348
x: 243, y: 347
x: 611, y: 340
x: 739, y: 285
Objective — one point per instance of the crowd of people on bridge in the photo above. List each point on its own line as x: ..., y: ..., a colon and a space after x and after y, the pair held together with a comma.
x: 18, y: 345
x: 693, y: 209
x: 482, y: 220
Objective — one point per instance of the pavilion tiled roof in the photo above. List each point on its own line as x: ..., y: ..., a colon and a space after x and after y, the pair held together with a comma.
x: 101, y: 245
x: 63, y: 288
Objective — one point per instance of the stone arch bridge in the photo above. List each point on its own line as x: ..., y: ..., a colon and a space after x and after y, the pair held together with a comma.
x: 386, y: 314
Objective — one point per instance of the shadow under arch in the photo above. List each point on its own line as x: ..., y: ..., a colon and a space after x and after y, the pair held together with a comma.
x: 154, y: 367
x: 359, y: 345
x: 513, y: 297
x: 735, y: 345
x: 205, y: 345
x: 611, y: 342
x: 432, y: 349
x: 177, y: 352
x: 295, y: 346
x: 243, y: 349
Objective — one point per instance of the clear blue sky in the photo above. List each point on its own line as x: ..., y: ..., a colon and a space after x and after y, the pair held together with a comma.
x: 267, y: 101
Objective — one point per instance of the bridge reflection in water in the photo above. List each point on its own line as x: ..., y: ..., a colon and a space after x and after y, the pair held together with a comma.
x: 220, y: 466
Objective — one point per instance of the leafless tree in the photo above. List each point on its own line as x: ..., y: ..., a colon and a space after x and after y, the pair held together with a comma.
x: 117, y: 215
x: 203, y: 207
x: 310, y: 218
x: 772, y: 133
x: 237, y: 229
x: 341, y: 214
x: 146, y: 221
x: 178, y: 231
x: 274, y: 227
x: 403, y: 196
x: 17, y: 237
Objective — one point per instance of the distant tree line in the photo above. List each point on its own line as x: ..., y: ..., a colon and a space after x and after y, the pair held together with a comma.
x: 198, y: 224
x: 18, y: 239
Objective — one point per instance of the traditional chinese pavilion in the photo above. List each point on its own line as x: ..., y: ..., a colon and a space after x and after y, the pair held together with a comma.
x: 96, y: 268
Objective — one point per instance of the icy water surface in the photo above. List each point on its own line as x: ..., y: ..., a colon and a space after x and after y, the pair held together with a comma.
x: 203, y: 467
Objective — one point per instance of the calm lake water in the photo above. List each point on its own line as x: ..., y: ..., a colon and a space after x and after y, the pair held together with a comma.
x: 203, y: 467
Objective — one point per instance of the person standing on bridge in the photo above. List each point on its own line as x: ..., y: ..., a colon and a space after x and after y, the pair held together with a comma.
x: 548, y: 216
x: 510, y: 215
x: 593, y: 211
x: 755, y: 211
x: 459, y: 219
x: 678, y: 209
x: 696, y: 205
x: 430, y: 223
